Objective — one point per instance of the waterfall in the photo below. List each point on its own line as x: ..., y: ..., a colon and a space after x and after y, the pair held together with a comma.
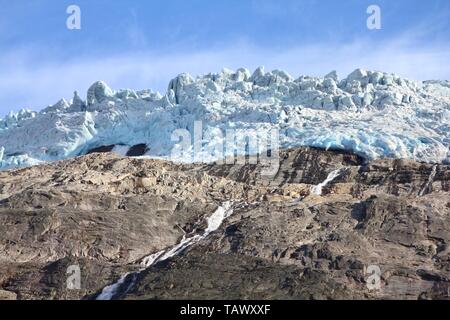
x: 429, y: 182
x: 317, y: 190
x: 214, y: 223
x: 109, y: 291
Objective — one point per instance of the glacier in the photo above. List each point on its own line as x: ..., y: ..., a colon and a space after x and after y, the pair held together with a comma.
x: 371, y: 113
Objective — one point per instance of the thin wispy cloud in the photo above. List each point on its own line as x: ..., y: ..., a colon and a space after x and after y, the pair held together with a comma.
x: 136, y: 35
x: 38, y: 86
x: 128, y: 49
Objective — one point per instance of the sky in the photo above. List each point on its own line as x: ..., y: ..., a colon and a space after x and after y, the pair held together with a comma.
x: 142, y: 44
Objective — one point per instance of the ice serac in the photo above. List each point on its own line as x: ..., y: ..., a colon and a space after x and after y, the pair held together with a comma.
x: 332, y: 75
x: 78, y: 104
x: 371, y: 113
x: 98, y: 92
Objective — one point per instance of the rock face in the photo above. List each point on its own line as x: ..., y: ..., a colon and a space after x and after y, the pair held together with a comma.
x: 104, y: 213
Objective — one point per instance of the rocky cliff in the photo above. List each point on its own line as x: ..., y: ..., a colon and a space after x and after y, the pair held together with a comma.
x: 315, y: 230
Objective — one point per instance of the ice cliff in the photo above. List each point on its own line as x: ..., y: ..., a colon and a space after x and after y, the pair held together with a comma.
x: 374, y: 114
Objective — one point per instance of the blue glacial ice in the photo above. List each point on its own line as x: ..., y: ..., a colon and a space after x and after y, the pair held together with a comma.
x: 373, y: 114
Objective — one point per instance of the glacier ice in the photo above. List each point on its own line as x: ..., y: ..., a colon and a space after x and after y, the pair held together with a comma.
x: 373, y: 114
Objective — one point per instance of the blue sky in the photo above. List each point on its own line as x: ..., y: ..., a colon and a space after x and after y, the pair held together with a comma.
x: 143, y: 44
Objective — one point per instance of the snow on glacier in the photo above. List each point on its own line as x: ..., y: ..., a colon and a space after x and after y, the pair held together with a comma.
x: 373, y: 114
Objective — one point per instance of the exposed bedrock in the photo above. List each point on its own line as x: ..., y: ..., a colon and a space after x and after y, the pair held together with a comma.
x: 104, y: 213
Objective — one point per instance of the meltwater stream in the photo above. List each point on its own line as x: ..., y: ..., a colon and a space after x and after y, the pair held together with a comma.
x: 214, y: 222
x: 429, y: 182
x: 317, y: 190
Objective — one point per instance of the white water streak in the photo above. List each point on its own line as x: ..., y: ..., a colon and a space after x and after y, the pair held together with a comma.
x: 109, y: 291
x: 429, y: 182
x: 149, y: 260
x: 317, y: 190
x: 214, y: 223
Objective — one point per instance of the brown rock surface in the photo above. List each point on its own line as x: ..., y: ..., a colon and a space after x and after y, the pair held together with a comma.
x: 105, y: 213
